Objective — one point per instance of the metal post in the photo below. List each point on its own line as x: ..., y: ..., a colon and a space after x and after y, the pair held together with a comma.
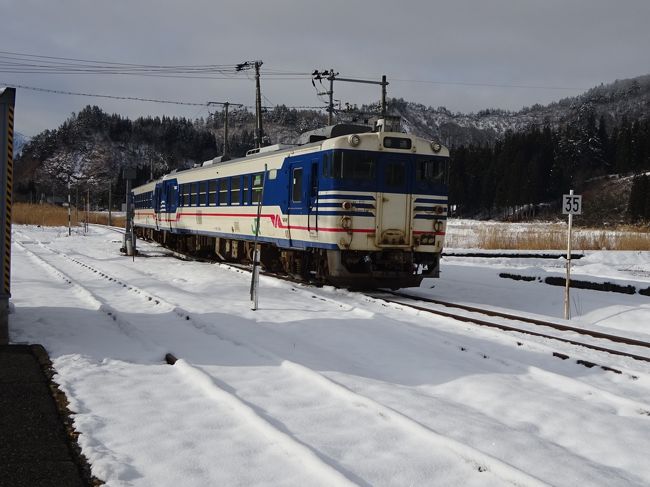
x: 129, y: 236
x: 7, y: 102
x: 567, y: 307
x: 110, y: 202
x: 255, y: 277
x: 87, y: 207
x: 69, y: 211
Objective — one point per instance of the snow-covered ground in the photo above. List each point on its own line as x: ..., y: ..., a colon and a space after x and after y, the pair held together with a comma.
x: 327, y: 387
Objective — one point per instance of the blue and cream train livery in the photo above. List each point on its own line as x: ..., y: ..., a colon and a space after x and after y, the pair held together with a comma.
x: 352, y: 206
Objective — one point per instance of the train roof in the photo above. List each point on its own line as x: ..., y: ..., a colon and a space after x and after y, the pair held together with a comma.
x: 326, y: 138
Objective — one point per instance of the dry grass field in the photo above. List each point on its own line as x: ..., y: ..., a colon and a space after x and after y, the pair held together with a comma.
x: 460, y: 233
x: 542, y: 236
x: 57, y: 216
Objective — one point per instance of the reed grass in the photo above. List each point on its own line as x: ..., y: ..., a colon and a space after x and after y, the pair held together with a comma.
x: 57, y: 216
x: 547, y: 236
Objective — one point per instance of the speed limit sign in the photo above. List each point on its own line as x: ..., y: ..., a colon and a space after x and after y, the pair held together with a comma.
x: 571, y: 204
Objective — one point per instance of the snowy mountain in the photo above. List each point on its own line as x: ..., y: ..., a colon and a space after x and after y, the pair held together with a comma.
x: 614, y: 102
x: 19, y: 142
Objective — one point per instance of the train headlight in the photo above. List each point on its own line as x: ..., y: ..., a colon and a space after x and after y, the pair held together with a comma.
x: 346, y: 222
x: 439, y: 210
x: 435, y: 146
x: 346, y: 205
x: 354, y: 140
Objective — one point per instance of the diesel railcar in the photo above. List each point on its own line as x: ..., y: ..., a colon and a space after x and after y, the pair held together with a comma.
x: 353, y: 206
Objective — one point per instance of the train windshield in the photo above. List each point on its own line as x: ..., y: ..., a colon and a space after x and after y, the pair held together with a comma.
x: 351, y: 165
x: 431, y: 171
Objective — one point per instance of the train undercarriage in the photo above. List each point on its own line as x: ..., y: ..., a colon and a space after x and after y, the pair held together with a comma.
x: 394, y: 268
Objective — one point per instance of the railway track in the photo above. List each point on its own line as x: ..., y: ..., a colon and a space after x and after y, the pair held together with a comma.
x: 473, y: 314
x: 542, y: 328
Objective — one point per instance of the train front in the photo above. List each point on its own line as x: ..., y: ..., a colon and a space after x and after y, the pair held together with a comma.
x: 386, y: 194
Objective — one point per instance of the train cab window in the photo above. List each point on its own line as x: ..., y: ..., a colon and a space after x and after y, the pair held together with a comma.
x: 395, y: 174
x: 223, y: 191
x: 352, y: 165
x: 203, y: 191
x: 212, y: 192
x: 257, y: 181
x: 296, y: 185
x: 235, y: 187
x: 429, y: 172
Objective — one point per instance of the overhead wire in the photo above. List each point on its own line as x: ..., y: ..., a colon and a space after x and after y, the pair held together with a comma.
x: 135, y: 98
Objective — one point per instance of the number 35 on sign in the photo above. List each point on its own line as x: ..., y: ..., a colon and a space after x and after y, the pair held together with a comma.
x: 571, y: 204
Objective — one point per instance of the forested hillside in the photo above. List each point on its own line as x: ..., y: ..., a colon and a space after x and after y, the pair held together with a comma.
x: 503, y: 163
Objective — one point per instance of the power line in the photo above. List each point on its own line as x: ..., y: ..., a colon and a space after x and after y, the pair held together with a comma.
x: 492, y: 85
x: 135, y: 98
x: 94, y: 95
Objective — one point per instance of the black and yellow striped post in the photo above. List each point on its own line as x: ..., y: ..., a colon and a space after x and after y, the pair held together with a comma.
x: 7, y: 101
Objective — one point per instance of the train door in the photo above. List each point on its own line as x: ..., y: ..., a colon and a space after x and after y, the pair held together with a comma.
x: 312, y: 216
x: 168, y: 200
x: 157, y: 195
x: 393, y: 204
x: 299, y: 200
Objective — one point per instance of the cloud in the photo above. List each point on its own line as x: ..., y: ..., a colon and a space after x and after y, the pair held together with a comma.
x: 433, y: 52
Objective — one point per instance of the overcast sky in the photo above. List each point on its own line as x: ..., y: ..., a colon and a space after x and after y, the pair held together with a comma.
x: 466, y: 55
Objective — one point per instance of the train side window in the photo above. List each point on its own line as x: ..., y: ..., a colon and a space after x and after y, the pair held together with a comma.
x: 186, y: 195
x: 258, y: 179
x: 212, y: 192
x: 203, y: 191
x: 190, y: 194
x: 296, y: 185
x: 244, y: 190
x: 223, y: 191
x: 235, y: 187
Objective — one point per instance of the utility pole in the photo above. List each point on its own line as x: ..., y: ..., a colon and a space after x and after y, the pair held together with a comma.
x: 259, y: 131
x: 225, y: 155
x: 331, y: 76
x: 225, y: 104
x: 258, y: 105
x: 330, y: 108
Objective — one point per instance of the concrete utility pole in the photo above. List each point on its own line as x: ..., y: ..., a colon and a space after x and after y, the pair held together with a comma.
x: 259, y: 131
x: 331, y: 76
x: 226, y: 152
x: 7, y: 102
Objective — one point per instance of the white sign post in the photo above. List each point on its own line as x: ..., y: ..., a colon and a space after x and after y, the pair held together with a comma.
x: 571, y: 205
